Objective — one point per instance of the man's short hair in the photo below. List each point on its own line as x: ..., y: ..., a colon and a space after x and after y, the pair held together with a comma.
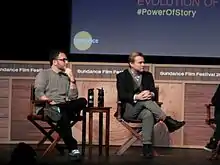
x: 133, y: 55
x: 54, y: 55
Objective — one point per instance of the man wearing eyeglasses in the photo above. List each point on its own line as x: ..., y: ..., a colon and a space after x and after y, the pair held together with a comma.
x: 57, y: 86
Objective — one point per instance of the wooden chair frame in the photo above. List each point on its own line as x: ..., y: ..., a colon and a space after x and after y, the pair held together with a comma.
x: 211, y: 122
x: 47, y: 131
x: 133, y: 126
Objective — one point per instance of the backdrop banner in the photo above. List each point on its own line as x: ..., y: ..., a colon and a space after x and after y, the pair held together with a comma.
x: 183, y: 89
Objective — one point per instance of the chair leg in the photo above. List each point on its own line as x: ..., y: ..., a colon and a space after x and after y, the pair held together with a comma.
x: 215, y: 153
x: 136, y: 135
x: 53, y: 145
x: 155, y: 153
x: 49, y: 133
x: 43, y: 130
x: 126, y: 145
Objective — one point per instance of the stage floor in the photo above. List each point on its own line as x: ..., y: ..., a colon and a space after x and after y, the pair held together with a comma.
x: 132, y: 156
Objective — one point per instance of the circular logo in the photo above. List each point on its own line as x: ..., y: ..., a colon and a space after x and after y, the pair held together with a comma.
x: 82, y: 40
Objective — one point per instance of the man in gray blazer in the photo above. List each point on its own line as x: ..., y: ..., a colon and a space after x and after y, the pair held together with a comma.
x: 136, y: 91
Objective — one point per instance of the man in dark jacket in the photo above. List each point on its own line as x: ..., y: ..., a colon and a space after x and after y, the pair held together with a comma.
x: 136, y: 91
x: 216, y: 136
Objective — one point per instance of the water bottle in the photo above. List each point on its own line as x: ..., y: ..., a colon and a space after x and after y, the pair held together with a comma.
x: 101, y: 97
x: 91, y: 97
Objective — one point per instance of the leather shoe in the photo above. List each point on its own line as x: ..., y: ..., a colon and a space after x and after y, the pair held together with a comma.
x: 172, y: 124
x: 148, y: 151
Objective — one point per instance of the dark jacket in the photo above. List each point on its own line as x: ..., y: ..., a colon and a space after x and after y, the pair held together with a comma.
x: 126, y: 88
x: 216, y: 97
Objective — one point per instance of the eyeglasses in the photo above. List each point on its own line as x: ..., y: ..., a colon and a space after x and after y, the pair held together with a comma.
x: 64, y: 59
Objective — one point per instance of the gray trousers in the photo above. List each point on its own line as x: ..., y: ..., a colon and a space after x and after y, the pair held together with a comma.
x: 147, y: 111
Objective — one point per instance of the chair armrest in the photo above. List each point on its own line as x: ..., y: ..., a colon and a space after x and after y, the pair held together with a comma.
x: 208, y: 113
x: 159, y: 103
x: 40, y: 102
x: 118, y: 111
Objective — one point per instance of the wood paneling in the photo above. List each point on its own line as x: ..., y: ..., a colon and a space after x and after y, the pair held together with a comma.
x: 118, y: 134
x: 187, y: 73
x: 110, y: 101
x: 171, y: 94
x: 21, y: 128
x: 99, y: 71
x: 28, y: 69
x: 4, y: 109
x: 179, y: 100
x: 96, y: 71
x: 196, y: 132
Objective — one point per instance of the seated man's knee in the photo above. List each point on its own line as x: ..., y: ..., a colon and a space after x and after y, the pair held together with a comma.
x: 146, y: 114
x: 82, y: 101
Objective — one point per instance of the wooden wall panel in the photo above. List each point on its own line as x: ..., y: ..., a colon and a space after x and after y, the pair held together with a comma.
x: 22, y: 68
x: 179, y: 100
x: 21, y: 128
x: 99, y: 71
x: 187, y: 73
x: 196, y: 132
x: 171, y: 94
x: 117, y: 133
x: 4, y: 109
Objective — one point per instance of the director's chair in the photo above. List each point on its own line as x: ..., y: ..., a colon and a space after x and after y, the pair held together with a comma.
x: 39, y: 120
x: 133, y: 126
x: 211, y: 122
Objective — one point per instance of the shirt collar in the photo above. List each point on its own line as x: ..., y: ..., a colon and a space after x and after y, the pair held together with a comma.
x: 134, y: 73
x: 56, y: 70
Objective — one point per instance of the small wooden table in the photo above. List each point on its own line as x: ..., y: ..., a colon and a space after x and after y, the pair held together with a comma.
x: 99, y: 110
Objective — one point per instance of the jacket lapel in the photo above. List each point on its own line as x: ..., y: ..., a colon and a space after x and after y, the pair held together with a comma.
x: 131, y: 82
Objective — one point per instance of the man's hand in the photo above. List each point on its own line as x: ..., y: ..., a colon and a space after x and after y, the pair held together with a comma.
x: 53, y: 103
x: 69, y: 72
x: 144, y: 95
x: 45, y: 98
x: 147, y: 94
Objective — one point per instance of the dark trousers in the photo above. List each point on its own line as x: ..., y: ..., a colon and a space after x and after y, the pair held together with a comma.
x: 69, y: 111
x: 216, y: 134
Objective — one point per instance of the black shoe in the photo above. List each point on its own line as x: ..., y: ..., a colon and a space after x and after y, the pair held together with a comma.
x: 148, y: 151
x: 172, y: 124
x: 211, y: 145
